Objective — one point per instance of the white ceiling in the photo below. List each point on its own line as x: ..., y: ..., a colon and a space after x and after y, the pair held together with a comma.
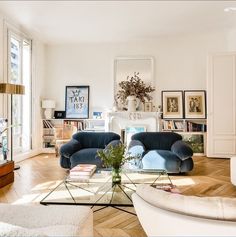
x: 79, y: 21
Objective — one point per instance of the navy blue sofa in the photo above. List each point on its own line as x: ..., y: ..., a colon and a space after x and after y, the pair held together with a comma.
x: 162, y: 150
x: 83, y: 147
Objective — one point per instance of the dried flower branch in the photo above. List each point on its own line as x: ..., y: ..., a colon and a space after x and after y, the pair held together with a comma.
x: 134, y: 86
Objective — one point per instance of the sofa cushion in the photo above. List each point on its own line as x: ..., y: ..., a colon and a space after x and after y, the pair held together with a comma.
x: 218, y: 208
x: 182, y: 150
x: 161, y: 159
x: 95, y: 139
x: 157, y: 140
x: 86, y: 156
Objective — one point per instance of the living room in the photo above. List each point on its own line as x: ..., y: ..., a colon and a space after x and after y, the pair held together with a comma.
x: 187, y: 47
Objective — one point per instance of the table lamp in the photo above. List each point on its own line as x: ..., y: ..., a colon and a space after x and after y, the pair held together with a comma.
x: 48, y: 105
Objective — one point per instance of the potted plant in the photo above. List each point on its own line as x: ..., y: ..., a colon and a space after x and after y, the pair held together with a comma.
x: 115, y: 157
x: 134, y: 88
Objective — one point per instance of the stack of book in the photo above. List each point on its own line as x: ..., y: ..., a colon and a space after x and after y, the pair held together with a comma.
x: 82, y: 171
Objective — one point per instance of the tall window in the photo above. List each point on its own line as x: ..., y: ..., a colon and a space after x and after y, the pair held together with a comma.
x: 19, y: 72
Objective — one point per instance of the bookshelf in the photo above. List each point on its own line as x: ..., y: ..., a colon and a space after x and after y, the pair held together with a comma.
x: 193, y: 132
x: 61, y: 128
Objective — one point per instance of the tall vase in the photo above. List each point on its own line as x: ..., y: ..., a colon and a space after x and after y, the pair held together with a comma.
x: 116, y: 177
x: 133, y: 103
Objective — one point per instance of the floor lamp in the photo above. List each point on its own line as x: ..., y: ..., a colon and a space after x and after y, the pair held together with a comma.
x: 12, y: 89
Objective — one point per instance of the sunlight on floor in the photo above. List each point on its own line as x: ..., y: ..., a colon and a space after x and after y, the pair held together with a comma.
x: 183, y: 181
x: 46, y: 185
x: 31, y: 198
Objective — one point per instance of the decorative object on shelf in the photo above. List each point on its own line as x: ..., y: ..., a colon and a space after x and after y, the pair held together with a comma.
x: 148, y: 106
x: 97, y: 115
x: 172, y: 104
x: 12, y: 89
x: 77, y: 102
x: 132, y: 89
x: 195, y: 103
x: 59, y: 114
x: 115, y: 157
x: 48, y: 105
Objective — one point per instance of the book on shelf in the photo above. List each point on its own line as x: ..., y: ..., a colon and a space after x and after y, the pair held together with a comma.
x: 196, y: 127
x: 76, y: 123
x: 173, y: 125
x: 82, y: 170
x: 47, y: 124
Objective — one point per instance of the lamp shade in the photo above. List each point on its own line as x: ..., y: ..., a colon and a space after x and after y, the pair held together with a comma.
x: 48, y: 104
x: 8, y: 88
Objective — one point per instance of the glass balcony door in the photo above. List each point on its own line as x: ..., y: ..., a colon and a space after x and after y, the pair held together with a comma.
x: 19, y: 72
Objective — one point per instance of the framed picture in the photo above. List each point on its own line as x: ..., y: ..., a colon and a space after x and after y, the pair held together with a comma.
x: 197, y: 142
x: 172, y: 104
x: 77, y: 102
x: 195, y: 104
x: 59, y: 114
x: 131, y: 130
x: 148, y: 106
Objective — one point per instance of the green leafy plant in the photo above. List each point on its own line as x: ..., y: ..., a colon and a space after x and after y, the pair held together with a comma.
x: 114, y: 156
x: 134, y: 86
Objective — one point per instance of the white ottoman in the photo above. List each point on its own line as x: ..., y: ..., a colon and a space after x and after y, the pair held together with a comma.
x: 38, y: 220
x: 233, y: 170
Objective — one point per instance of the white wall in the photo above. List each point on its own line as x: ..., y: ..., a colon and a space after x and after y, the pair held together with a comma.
x: 180, y: 63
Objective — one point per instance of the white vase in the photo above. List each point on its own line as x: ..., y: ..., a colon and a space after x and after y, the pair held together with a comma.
x: 132, y: 103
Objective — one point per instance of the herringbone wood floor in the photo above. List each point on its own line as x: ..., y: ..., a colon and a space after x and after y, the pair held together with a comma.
x: 38, y: 175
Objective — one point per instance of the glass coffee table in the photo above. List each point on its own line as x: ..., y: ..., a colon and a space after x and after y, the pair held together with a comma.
x: 98, y: 190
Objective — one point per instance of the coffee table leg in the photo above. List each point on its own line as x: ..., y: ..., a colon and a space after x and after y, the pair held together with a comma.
x: 70, y: 193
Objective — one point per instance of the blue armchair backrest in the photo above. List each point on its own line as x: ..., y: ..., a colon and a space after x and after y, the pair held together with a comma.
x: 95, y: 139
x: 157, y: 140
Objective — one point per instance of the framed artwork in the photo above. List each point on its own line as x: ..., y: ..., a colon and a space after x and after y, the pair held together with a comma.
x: 195, y: 104
x: 197, y: 142
x: 172, y: 104
x: 77, y: 102
x: 59, y: 114
x: 131, y: 130
x: 148, y: 106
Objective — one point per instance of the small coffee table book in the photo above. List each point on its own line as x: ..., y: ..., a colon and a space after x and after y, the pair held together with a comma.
x: 82, y: 171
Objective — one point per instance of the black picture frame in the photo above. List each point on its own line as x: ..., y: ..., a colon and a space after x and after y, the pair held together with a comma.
x: 177, y: 110
x: 195, y: 104
x: 59, y: 114
x: 77, y: 102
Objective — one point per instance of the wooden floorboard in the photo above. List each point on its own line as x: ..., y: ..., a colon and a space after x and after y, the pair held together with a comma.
x: 38, y: 175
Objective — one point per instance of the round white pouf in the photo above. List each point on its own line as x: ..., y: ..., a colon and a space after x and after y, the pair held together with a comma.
x: 233, y: 170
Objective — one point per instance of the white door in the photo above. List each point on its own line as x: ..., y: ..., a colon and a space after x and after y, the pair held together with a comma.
x: 221, y: 140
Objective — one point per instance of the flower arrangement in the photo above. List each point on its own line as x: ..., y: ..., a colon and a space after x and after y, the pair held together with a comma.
x: 134, y: 86
x: 114, y: 156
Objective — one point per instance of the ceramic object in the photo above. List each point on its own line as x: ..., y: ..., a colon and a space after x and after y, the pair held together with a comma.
x: 132, y: 103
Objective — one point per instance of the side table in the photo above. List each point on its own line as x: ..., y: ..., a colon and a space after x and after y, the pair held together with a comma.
x: 6, y: 173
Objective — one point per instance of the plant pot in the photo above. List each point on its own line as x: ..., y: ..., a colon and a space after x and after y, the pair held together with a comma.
x: 132, y: 103
x: 116, y: 177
